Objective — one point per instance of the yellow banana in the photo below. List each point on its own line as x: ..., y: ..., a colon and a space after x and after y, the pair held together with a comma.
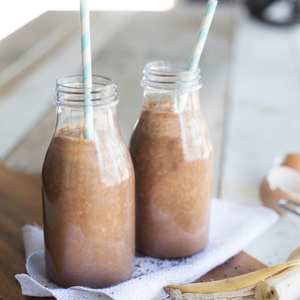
x: 262, y: 284
x: 285, y: 285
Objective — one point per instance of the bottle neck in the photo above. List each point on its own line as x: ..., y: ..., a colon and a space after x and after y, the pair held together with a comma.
x: 70, y: 92
x: 71, y: 105
x: 171, y: 77
x: 171, y: 87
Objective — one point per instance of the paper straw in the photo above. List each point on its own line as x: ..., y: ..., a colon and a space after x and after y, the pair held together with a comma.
x: 86, y: 68
x: 202, y: 35
x: 198, y: 48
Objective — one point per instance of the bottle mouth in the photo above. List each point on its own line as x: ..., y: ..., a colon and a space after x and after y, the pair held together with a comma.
x: 172, y: 76
x: 71, y: 92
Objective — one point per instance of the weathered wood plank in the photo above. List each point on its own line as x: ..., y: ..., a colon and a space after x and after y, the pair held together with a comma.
x: 29, y: 58
x: 24, y: 104
x: 13, y: 46
x: 16, y: 192
x: 29, y: 155
x: 239, y: 264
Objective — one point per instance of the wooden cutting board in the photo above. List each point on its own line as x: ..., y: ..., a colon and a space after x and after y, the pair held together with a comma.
x: 20, y: 203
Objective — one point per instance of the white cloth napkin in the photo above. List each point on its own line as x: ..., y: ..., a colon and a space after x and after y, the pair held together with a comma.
x: 232, y: 227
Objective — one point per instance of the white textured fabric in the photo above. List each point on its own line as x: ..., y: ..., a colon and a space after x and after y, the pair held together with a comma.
x: 232, y: 227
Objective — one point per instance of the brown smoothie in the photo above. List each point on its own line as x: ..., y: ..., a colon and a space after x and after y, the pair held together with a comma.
x: 172, y: 157
x: 88, y: 208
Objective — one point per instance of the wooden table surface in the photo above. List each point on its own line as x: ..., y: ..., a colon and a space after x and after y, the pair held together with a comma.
x: 243, y: 99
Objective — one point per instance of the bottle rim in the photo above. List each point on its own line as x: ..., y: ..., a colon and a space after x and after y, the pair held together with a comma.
x: 70, y: 92
x: 170, y: 76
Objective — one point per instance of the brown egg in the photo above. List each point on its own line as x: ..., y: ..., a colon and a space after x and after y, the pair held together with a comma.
x: 281, y: 182
x: 292, y: 161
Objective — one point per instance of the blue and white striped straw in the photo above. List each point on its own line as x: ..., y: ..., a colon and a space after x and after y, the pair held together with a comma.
x: 198, y: 48
x: 86, y: 68
x: 203, y: 32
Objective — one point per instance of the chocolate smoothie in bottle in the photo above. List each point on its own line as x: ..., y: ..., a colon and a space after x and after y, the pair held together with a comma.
x: 88, y: 191
x: 172, y: 156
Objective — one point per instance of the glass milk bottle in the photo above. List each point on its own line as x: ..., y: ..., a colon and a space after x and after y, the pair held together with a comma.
x: 88, y: 191
x: 172, y: 157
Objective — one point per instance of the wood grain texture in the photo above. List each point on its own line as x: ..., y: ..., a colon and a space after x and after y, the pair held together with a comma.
x: 15, y: 45
x: 24, y: 103
x: 20, y: 203
x: 239, y: 264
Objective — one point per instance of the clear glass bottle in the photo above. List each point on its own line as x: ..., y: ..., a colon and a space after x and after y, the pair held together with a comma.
x: 88, y: 191
x: 172, y: 157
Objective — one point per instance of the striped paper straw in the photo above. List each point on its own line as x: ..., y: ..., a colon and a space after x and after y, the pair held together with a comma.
x: 203, y: 31
x: 86, y: 68
x: 198, y: 48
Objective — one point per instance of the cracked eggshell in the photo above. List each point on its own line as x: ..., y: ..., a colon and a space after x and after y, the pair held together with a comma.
x: 292, y: 161
x: 281, y: 182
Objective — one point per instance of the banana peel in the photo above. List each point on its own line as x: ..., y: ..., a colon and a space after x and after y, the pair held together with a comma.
x: 239, y: 287
x: 241, y: 294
